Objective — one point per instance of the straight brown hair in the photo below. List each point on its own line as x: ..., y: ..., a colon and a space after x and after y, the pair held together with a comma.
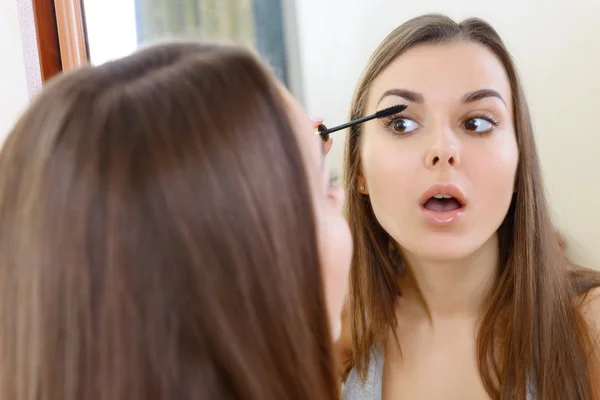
x: 533, y: 330
x: 158, y: 239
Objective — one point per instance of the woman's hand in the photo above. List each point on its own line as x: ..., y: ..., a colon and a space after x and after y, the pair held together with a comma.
x: 342, y: 347
x: 327, y: 145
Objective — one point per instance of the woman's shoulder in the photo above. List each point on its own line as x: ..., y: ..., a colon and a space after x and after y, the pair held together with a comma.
x: 590, y: 309
x: 586, y: 283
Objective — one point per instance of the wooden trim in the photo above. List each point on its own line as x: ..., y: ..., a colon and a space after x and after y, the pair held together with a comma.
x: 47, y: 38
x: 70, y: 23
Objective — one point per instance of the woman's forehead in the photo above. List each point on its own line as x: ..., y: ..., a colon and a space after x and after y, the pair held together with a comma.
x: 443, y: 72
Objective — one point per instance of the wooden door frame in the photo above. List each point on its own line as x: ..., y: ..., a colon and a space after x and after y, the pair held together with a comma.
x: 61, y: 36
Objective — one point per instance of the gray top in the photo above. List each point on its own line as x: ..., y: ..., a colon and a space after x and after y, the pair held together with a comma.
x: 354, y: 389
x: 371, y: 390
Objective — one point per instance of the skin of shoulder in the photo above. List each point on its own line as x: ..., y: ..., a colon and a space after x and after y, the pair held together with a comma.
x: 590, y: 310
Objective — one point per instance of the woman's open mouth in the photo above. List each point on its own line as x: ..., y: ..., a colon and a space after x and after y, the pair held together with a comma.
x: 443, y: 204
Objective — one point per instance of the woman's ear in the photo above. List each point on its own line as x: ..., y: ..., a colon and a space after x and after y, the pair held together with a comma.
x: 362, y: 186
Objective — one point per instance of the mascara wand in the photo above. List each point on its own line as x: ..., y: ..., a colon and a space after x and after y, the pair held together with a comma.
x: 324, y: 132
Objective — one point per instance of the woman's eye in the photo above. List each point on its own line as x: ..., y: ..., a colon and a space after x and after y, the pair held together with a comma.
x: 478, y: 125
x: 403, y: 125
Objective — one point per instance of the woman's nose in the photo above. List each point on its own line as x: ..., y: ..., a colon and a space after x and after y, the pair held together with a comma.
x: 439, y: 156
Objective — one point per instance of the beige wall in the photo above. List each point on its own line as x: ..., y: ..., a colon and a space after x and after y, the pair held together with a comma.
x: 19, y: 66
x: 557, y: 49
x: 13, y: 83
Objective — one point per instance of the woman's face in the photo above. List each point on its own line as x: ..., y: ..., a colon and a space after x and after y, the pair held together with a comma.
x: 441, y: 175
x: 335, y: 241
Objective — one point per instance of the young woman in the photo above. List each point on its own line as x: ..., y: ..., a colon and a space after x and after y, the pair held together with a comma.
x: 169, y: 231
x: 458, y: 287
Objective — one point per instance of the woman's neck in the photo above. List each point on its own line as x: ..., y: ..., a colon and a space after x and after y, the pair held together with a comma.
x: 442, y: 290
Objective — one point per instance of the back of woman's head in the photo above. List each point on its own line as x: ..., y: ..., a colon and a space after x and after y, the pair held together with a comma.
x: 158, y: 237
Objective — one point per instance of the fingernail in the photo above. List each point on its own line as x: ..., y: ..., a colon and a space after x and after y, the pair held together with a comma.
x: 316, y: 119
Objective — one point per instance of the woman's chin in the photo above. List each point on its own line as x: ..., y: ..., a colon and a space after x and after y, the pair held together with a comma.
x: 444, y: 250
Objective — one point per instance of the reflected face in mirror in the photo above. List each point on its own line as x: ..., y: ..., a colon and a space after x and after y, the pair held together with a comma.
x: 335, y: 241
x: 441, y: 175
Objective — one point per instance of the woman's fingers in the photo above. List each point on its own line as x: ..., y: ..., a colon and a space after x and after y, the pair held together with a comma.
x: 316, y: 121
x: 327, y: 146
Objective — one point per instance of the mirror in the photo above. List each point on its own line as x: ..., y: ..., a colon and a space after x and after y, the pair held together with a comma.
x: 319, y: 48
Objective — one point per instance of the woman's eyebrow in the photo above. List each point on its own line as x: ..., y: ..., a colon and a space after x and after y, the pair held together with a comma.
x: 416, y: 97
x: 481, y: 94
x: 409, y: 95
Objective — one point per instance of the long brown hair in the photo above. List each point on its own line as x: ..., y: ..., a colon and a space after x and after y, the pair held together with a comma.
x: 158, y: 237
x: 533, y: 328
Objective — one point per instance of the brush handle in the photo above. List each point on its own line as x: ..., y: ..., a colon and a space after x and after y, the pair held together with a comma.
x: 379, y: 114
x: 349, y: 124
